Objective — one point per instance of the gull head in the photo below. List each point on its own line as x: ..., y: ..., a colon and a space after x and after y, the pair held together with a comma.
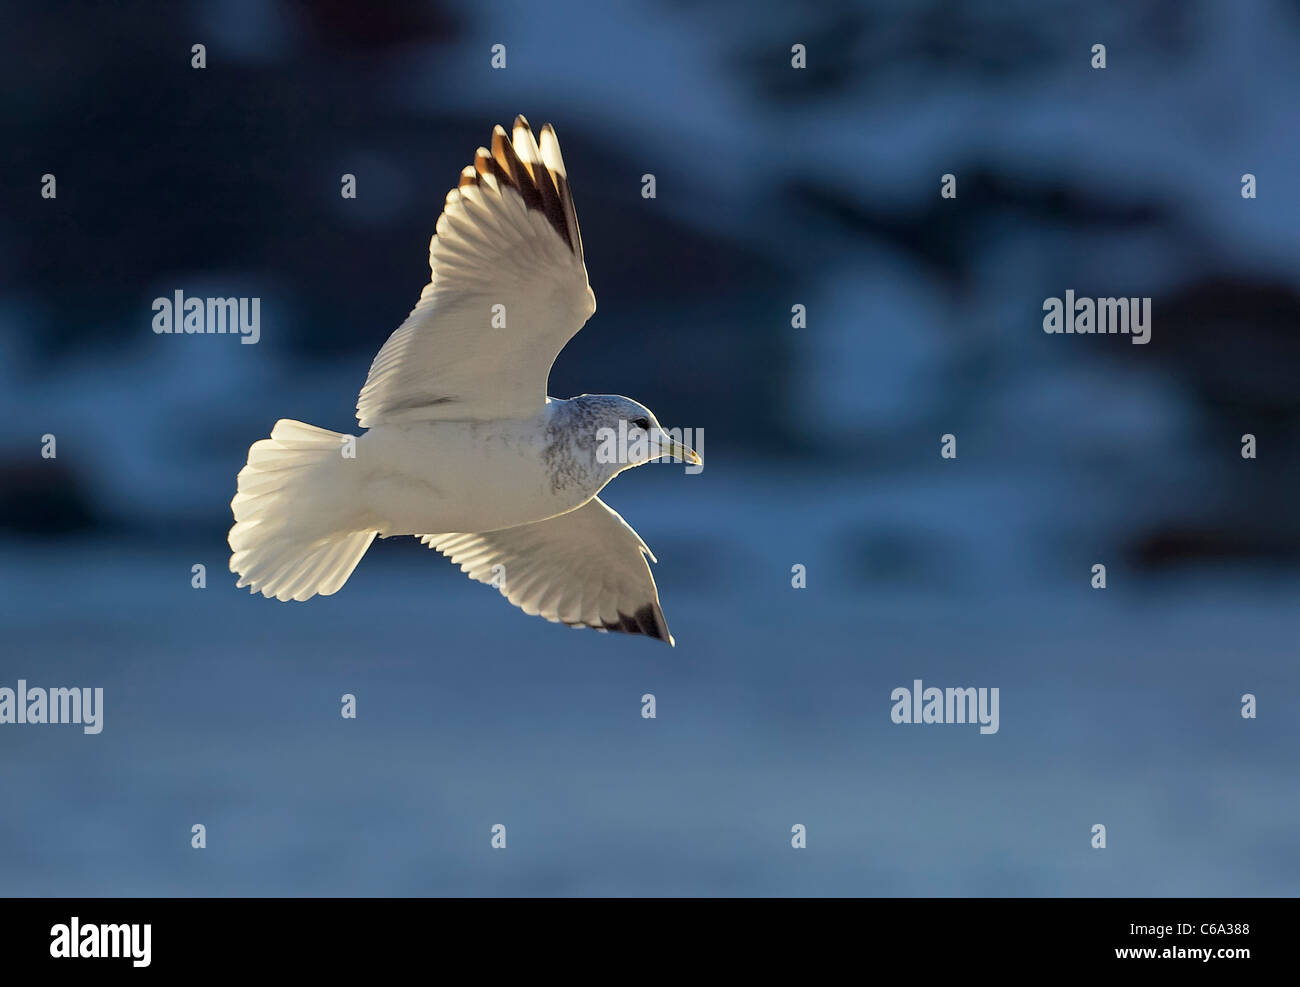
x: 626, y: 433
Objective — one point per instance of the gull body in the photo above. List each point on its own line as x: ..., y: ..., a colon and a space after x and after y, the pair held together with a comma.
x: 502, y: 481
x: 508, y: 472
x: 463, y: 448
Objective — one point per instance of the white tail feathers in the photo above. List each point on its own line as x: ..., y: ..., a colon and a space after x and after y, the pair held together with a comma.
x: 290, y: 538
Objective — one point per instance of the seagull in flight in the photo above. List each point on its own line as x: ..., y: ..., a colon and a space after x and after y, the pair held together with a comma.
x: 463, y: 448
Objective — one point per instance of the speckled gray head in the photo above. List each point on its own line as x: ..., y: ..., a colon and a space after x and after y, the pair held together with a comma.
x: 620, y: 431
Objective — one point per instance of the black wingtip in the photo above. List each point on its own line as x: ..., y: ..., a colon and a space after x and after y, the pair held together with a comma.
x: 648, y: 620
x: 542, y: 189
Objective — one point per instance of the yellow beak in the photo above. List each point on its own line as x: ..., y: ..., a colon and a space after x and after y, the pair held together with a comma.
x: 670, y: 448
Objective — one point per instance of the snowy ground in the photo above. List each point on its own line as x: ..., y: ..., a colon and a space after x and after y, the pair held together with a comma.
x: 1118, y: 707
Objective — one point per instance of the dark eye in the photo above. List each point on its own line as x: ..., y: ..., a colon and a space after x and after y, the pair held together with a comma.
x: 643, y: 423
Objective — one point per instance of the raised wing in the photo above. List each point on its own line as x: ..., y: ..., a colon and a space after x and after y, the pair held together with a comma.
x: 585, y: 568
x: 508, y: 290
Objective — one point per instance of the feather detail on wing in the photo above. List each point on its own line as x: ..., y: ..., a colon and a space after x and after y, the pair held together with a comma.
x: 585, y: 568
x: 508, y: 290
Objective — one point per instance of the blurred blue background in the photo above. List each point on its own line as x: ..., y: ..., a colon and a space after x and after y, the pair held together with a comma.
x: 775, y: 187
